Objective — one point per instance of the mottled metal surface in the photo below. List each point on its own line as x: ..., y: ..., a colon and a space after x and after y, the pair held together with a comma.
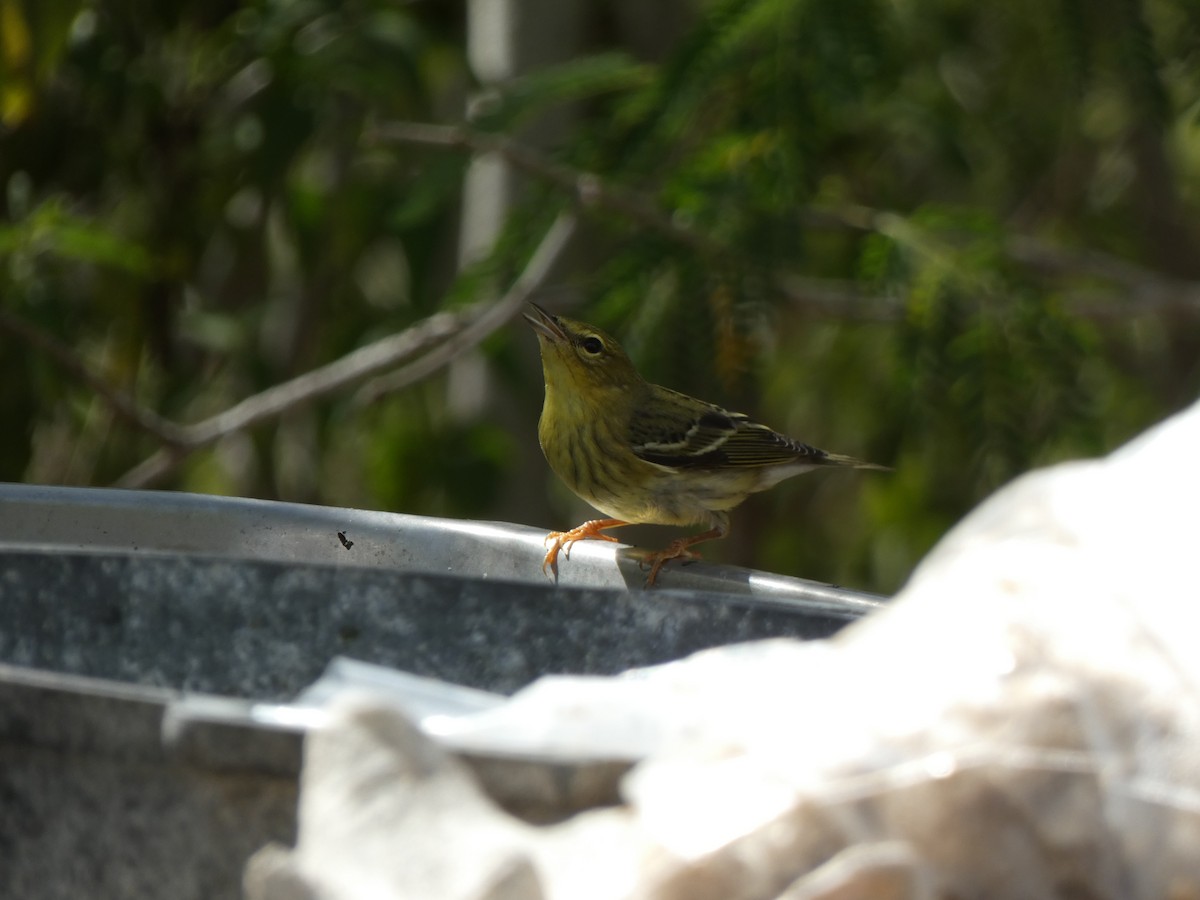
x: 94, y: 804
x: 264, y: 629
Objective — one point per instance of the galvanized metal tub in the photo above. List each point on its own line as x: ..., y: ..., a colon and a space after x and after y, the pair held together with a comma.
x: 151, y: 643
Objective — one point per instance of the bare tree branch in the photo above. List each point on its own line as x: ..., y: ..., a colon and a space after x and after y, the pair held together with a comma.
x: 280, y: 398
x: 493, y: 317
x: 122, y: 405
x: 448, y: 334
x: 328, y: 379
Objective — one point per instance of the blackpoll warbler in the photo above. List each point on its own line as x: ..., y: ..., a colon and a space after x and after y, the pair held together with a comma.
x: 644, y: 454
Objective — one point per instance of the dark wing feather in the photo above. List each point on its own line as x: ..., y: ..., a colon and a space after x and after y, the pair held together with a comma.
x: 684, y: 433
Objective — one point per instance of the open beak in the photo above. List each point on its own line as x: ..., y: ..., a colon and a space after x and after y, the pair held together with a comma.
x: 545, y: 324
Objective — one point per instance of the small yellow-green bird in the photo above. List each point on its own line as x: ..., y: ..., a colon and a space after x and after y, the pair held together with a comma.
x: 644, y: 454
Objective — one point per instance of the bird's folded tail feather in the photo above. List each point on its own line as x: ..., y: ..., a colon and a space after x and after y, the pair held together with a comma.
x: 837, y: 459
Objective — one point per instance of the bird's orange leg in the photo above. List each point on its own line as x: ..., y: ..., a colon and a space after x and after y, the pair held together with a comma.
x: 588, y: 531
x: 678, y: 549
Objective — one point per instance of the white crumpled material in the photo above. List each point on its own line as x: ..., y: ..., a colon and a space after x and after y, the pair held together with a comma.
x: 1022, y: 722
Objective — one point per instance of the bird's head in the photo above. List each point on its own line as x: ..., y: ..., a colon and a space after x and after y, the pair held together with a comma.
x: 580, y: 358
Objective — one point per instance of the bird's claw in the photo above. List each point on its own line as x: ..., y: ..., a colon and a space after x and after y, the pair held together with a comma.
x: 550, y: 560
x: 562, y: 541
x: 659, y: 559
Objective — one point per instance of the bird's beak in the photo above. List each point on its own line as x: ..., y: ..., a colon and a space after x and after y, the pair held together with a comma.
x: 545, y: 324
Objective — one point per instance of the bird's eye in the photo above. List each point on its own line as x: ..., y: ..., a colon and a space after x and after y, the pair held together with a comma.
x: 592, y: 345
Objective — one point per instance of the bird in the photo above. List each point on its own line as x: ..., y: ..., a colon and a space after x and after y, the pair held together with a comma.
x: 641, y: 453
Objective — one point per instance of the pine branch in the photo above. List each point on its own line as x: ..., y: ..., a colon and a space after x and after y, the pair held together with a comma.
x: 835, y: 299
x: 839, y: 299
x: 1147, y: 291
x: 586, y: 188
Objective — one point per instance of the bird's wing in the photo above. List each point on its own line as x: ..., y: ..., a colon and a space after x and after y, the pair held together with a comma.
x: 681, y: 432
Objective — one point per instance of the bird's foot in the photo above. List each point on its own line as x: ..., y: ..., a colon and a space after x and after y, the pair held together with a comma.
x: 658, y: 559
x: 561, y: 541
x: 678, y: 549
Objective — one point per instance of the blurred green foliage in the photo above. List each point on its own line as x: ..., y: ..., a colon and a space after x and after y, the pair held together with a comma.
x: 194, y: 203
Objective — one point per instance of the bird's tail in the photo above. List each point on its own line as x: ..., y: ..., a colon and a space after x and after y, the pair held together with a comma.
x: 837, y: 459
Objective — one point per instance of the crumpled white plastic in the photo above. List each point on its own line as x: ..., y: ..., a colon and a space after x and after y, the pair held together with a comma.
x: 1023, y: 721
